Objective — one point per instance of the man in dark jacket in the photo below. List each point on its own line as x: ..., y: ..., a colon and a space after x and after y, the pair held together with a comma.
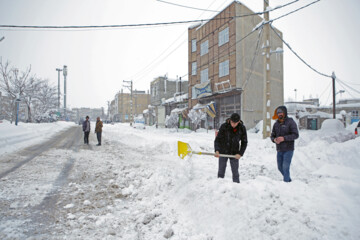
x: 284, y: 133
x: 86, y: 129
x: 227, y: 141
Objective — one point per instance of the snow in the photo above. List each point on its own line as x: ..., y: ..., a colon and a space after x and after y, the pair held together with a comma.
x: 332, y: 130
x: 13, y: 137
x: 136, y: 187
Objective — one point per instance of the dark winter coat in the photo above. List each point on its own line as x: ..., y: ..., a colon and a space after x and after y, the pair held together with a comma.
x: 98, y: 126
x: 84, y: 125
x: 287, y: 129
x: 227, y: 140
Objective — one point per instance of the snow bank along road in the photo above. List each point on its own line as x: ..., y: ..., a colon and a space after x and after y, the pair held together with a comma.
x: 135, y: 187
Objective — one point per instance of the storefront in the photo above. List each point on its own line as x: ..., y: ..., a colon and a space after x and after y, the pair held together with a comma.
x: 225, y: 105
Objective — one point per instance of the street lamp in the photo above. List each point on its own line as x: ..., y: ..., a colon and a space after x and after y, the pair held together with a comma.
x: 65, y: 74
x: 341, y: 91
x: 18, y: 100
x: 59, y: 70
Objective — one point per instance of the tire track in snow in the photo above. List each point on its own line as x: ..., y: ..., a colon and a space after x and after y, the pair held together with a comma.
x: 35, y: 220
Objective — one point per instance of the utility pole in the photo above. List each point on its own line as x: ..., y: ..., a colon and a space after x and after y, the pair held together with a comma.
x: 65, y: 74
x: 59, y: 70
x: 266, y: 96
x: 135, y: 96
x: 108, y: 113
x: 334, y: 103
x: 131, y: 99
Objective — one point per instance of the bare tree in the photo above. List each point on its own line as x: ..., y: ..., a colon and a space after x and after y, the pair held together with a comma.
x: 44, y: 98
x: 14, y: 84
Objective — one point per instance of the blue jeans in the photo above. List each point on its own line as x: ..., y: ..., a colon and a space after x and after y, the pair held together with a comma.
x: 234, y: 163
x: 283, y: 163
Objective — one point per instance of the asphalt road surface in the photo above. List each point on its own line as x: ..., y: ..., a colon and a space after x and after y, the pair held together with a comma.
x: 31, y: 181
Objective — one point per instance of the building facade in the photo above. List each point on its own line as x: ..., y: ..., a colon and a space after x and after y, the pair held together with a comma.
x: 127, y: 106
x: 79, y: 114
x: 164, y: 88
x: 227, y: 67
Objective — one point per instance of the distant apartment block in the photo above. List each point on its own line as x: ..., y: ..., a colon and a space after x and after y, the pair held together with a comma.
x: 126, y: 107
x: 78, y: 114
x: 226, y: 67
x: 162, y: 88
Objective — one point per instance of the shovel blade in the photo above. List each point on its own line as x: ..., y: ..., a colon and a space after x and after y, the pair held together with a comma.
x: 183, y: 149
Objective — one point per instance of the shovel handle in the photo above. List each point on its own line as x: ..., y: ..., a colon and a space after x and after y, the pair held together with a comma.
x: 213, y: 154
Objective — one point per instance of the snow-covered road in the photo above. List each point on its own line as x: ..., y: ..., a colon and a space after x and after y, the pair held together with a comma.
x: 136, y: 187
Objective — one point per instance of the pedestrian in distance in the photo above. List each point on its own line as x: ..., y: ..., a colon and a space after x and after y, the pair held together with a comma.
x: 98, y: 130
x: 284, y: 133
x: 86, y: 129
x: 227, y: 141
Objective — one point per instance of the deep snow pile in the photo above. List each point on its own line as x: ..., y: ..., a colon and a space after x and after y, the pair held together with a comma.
x: 14, y: 137
x: 146, y: 191
x: 136, y: 187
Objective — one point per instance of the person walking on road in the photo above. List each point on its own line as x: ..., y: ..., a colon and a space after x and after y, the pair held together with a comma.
x: 86, y: 129
x: 98, y: 130
x: 284, y: 133
x: 227, y: 141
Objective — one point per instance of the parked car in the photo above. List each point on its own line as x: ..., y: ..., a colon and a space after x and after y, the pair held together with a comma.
x: 139, y: 123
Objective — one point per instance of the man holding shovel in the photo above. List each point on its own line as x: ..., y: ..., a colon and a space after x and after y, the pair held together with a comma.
x: 227, y: 141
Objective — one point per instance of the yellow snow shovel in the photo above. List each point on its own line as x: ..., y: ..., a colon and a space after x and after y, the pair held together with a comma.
x: 185, y: 149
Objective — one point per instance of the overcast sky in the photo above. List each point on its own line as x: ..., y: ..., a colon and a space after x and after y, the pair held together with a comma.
x: 326, y: 35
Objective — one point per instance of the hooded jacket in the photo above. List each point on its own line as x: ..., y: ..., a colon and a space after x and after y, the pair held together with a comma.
x: 228, y: 139
x: 287, y: 129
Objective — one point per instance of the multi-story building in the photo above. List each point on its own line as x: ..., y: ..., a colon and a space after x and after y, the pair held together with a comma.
x: 79, y: 114
x: 125, y: 110
x: 227, y: 67
x: 163, y: 88
x: 350, y: 106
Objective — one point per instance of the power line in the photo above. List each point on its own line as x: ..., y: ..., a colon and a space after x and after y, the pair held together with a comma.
x: 175, y: 4
x: 325, y: 90
x: 357, y: 84
x: 260, y: 25
x: 323, y: 74
x: 145, y: 71
x: 341, y: 84
x: 115, y: 26
x: 256, y: 53
x: 154, y: 61
x: 295, y: 10
x: 339, y: 81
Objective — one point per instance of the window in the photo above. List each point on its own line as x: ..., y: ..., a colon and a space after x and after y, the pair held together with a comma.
x: 224, y: 68
x: 224, y: 36
x: 204, y: 76
x: 193, y: 68
x: 193, y: 45
x: 193, y: 93
x: 204, y: 48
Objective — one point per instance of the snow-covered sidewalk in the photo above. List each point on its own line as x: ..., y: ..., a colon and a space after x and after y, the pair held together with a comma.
x: 14, y: 137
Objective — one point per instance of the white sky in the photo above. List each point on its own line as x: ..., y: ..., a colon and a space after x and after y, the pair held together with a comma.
x: 325, y: 35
